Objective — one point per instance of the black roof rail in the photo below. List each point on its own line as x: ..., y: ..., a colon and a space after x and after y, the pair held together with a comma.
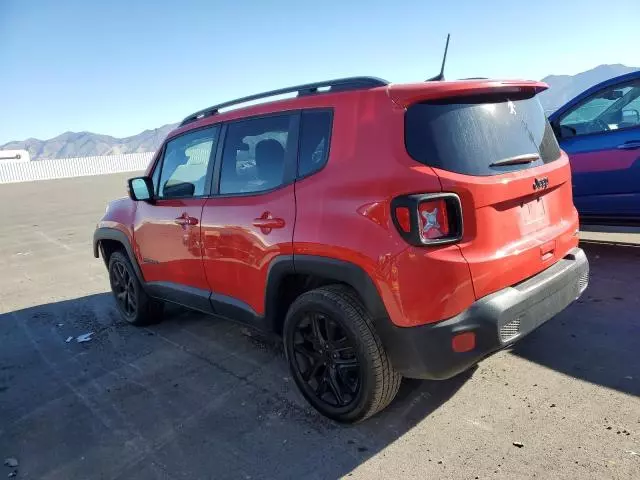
x: 332, y: 86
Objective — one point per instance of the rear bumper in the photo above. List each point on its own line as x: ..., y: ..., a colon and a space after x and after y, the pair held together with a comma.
x: 498, y: 320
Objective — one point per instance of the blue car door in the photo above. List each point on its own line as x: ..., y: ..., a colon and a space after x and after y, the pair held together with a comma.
x: 600, y: 131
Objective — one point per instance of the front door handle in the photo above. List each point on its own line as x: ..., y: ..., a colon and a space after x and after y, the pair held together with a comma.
x: 185, y: 220
x: 631, y: 145
x: 266, y: 222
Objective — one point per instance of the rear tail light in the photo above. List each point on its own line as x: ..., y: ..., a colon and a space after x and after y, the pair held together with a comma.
x: 428, y: 219
x: 434, y: 221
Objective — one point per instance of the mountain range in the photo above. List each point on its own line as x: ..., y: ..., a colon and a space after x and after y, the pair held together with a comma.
x: 87, y: 144
x: 83, y: 144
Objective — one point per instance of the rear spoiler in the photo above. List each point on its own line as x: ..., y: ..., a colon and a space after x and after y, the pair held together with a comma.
x: 410, y: 93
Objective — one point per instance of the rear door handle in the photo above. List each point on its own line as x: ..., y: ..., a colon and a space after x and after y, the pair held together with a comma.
x: 266, y: 222
x: 631, y: 145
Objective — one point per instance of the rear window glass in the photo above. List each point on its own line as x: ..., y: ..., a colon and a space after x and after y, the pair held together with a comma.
x: 469, y: 134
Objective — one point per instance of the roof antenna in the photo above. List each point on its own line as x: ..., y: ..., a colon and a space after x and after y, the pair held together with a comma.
x: 440, y: 76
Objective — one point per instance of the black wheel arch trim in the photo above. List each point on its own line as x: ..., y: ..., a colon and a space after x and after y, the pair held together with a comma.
x: 339, y: 271
x: 108, y: 233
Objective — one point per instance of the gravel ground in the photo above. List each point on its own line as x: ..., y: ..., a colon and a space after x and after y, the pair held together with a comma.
x: 197, y: 397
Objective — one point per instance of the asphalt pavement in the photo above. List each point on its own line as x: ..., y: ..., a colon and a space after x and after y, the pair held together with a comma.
x: 197, y: 397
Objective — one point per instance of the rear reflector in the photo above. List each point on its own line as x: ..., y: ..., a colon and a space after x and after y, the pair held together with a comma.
x: 404, y: 220
x: 463, y: 342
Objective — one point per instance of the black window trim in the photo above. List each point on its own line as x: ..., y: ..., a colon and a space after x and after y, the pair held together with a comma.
x: 290, y: 161
x: 329, y: 110
x: 157, y: 165
x: 556, y: 125
x: 210, y: 166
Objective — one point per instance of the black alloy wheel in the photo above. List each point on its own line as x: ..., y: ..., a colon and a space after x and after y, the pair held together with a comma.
x: 336, y: 356
x: 124, y: 288
x: 133, y: 303
x: 326, y: 360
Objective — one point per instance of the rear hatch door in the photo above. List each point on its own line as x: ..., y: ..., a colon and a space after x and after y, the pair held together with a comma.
x: 490, y: 143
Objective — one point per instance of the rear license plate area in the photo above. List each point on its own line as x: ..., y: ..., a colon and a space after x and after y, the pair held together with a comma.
x: 533, y: 215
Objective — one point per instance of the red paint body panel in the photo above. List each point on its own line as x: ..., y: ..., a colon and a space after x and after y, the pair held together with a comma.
x: 236, y: 252
x: 166, y: 251
x: 511, y: 232
x: 507, y: 223
x: 119, y: 216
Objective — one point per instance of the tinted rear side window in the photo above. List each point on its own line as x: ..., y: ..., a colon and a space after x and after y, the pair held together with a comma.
x: 315, y: 138
x: 469, y: 134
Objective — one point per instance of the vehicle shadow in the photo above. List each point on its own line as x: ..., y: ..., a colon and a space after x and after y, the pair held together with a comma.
x: 192, y: 397
x: 597, y: 339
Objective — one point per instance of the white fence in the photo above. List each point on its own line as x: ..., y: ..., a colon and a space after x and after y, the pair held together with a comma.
x: 12, y: 172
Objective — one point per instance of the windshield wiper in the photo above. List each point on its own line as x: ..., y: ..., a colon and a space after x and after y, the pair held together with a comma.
x: 517, y: 160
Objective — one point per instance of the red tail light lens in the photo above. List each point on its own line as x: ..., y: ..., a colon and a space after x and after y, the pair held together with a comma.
x: 434, y: 221
x: 428, y: 219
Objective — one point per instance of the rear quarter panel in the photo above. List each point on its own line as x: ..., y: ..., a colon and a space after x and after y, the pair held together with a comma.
x: 343, y: 212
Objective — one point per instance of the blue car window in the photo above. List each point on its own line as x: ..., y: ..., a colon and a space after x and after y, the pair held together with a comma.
x: 613, y: 108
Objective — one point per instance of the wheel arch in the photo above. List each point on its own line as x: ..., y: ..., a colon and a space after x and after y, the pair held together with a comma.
x: 289, y: 276
x: 104, y: 236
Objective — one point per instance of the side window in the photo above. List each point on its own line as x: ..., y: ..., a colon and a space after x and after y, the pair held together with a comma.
x: 315, y: 138
x: 253, y: 158
x: 609, y: 109
x: 184, y: 165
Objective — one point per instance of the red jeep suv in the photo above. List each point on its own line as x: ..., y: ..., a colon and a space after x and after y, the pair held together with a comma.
x: 382, y: 230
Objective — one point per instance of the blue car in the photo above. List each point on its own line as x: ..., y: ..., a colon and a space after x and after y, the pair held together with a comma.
x: 600, y: 131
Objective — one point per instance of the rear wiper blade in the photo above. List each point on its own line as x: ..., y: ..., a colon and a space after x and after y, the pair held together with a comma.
x: 517, y: 160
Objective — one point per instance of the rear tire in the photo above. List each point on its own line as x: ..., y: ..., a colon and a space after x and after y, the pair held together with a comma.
x: 135, y: 306
x: 336, y: 357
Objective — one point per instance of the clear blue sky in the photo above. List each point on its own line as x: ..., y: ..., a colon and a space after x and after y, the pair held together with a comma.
x: 119, y: 67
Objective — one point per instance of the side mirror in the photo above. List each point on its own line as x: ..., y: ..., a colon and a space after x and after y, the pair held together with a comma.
x: 631, y: 116
x: 565, y: 131
x: 140, y: 188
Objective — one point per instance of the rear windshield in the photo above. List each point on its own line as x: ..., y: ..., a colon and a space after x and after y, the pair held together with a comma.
x: 469, y: 134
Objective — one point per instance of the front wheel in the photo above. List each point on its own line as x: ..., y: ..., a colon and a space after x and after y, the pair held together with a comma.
x: 135, y: 306
x: 336, y: 356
